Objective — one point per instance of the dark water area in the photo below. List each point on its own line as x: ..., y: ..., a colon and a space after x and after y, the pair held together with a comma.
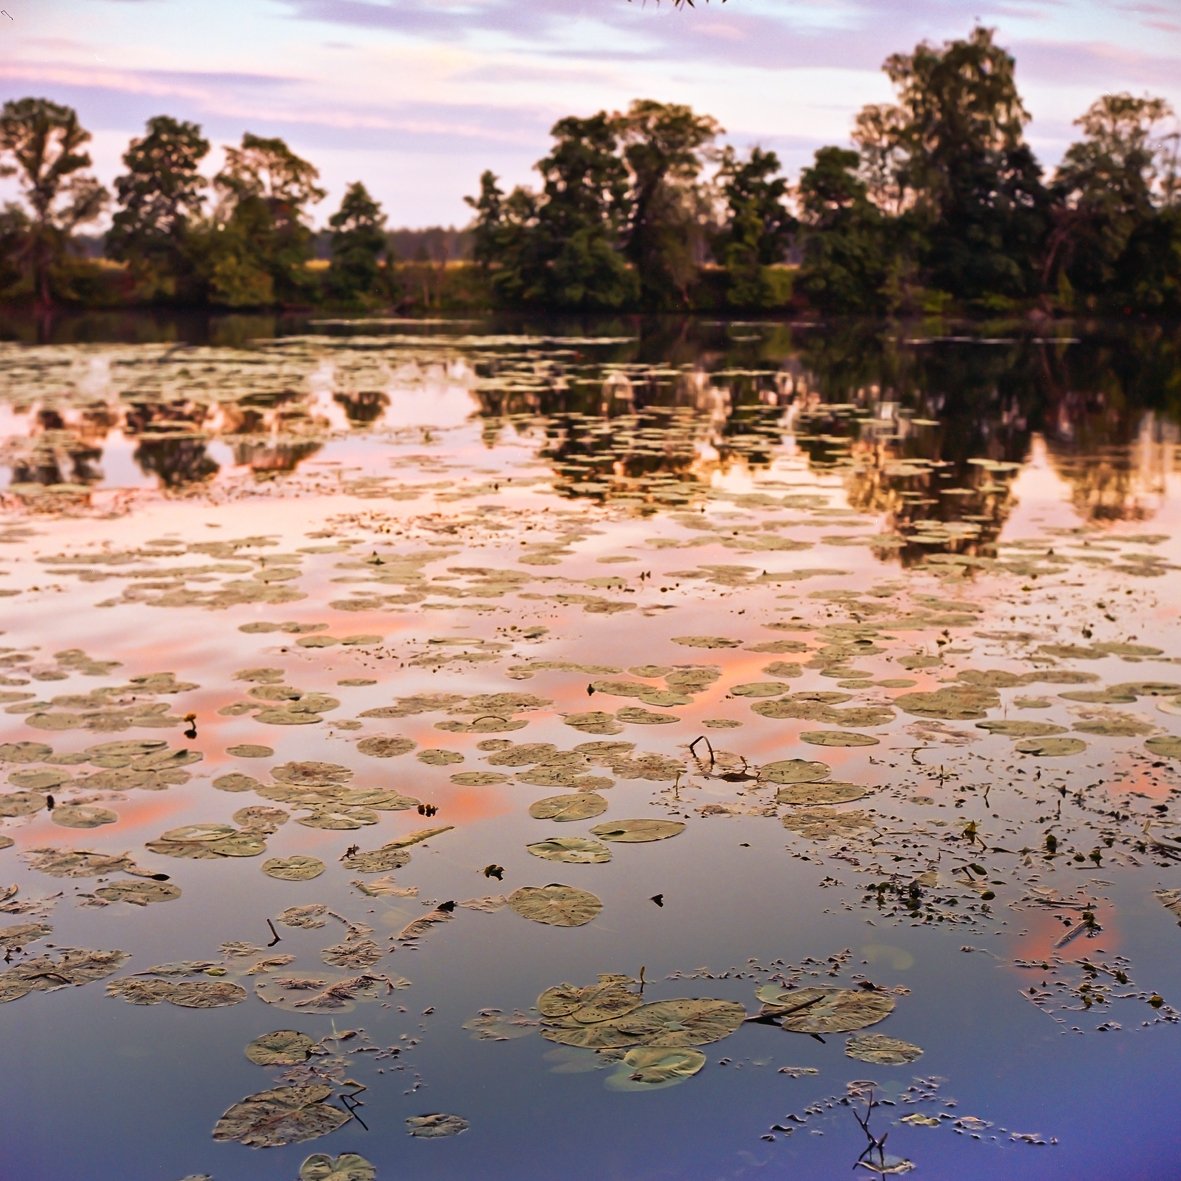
x: 641, y: 749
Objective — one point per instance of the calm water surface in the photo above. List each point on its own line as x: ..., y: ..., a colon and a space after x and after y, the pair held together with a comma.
x: 882, y: 627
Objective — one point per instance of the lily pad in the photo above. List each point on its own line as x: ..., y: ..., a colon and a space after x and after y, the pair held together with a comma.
x: 638, y: 831
x: 837, y: 738
x: 139, y: 893
x: 1168, y: 747
x: 882, y: 1050
x: 283, y: 1115
x: 280, y: 1047
x: 59, y: 969
x: 579, y: 805
x: 346, y: 1167
x: 1050, y: 747
x: 83, y: 816
x: 830, y: 792
x: 820, y: 822
x: 576, y: 850
x: 795, y: 771
x: 555, y: 904
x: 435, y: 1124
x: 689, y: 1021
x: 293, y: 869
x: 825, y: 1009
x: 651, y: 1068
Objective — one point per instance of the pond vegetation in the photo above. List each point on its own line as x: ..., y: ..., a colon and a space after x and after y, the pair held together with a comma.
x: 634, y: 748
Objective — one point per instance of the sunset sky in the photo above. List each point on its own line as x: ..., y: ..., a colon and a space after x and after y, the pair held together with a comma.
x: 417, y: 97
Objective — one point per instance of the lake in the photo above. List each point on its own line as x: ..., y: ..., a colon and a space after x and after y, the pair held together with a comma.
x: 639, y: 749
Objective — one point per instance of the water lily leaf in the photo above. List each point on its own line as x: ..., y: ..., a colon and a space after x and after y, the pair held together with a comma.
x: 139, y: 893
x: 825, y: 1009
x: 76, y: 863
x: 206, y: 994
x: 58, y: 969
x: 820, y: 822
x: 571, y: 1004
x: 579, y: 805
x: 21, y: 803
x: 137, y: 990
x: 384, y: 748
x: 352, y: 953
x: 638, y: 831
x: 795, y: 771
x: 650, y: 1068
x: 953, y: 703
x: 249, y: 750
x: 1168, y: 747
x: 83, y: 816
x: 1050, y: 747
x: 284, y: 1115
x: 576, y: 850
x: 1020, y: 729
x: 493, y: 1025
x: 436, y: 1124
x: 198, y: 832
x: 346, y: 1167
x: 325, y: 994
x: 422, y: 834
x: 280, y: 1047
x: 555, y: 904
x: 837, y: 738
x: 882, y: 1050
x: 293, y: 869
x: 682, y: 1022
x: 830, y: 792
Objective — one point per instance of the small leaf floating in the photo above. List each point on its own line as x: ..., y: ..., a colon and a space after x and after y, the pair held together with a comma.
x: 436, y: 1124
x: 283, y: 1115
x: 346, y: 1167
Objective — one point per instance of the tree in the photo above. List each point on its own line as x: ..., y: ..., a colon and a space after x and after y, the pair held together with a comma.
x: 581, y: 218
x: 358, y: 243
x: 41, y: 143
x: 665, y: 147
x: 160, y: 198
x: 1107, y: 188
x: 846, y: 259
x: 261, y: 242
x: 952, y: 151
x: 758, y: 226
x: 487, y: 228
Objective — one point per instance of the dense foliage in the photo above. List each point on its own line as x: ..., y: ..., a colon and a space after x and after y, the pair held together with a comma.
x: 939, y: 202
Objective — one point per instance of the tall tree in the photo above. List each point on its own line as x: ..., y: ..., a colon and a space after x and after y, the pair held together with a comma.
x: 846, y: 257
x: 41, y: 143
x: 263, y: 241
x: 758, y: 226
x: 160, y: 198
x: 954, y: 148
x: 581, y: 218
x: 666, y: 146
x: 1108, y: 188
x: 358, y: 244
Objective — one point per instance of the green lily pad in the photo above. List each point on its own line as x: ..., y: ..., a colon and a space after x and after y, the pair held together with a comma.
x: 572, y: 1004
x: 435, y: 1124
x: 1020, y: 729
x: 638, y: 831
x: 139, y: 893
x: 829, y: 792
x: 837, y: 738
x: 384, y: 748
x: 882, y: 1050
x: 1050, y: 747
x: 576, y: 850
x: 579, y: 805
x: 1168, y: 746
x: 690, y: 1021
x: 555, y: 904
x: 825, y: 1009
x: 293, y: 869
x: 283, y: 1115
x: 83, y: 816
x: 280, y: 1047
x: 61, y: 968
x: 954, y: 703
x: 346, y: 1167
x: 820, y: 822
x: 651, y: 1068
x: 795, y: 771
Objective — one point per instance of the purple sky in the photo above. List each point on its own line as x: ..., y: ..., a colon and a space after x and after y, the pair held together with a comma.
x: 417, y: 97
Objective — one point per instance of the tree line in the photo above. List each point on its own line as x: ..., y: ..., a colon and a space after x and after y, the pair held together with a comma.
x: 940, y: 202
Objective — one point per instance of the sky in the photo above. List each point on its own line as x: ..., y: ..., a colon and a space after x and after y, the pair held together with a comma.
x: 416, y: 98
